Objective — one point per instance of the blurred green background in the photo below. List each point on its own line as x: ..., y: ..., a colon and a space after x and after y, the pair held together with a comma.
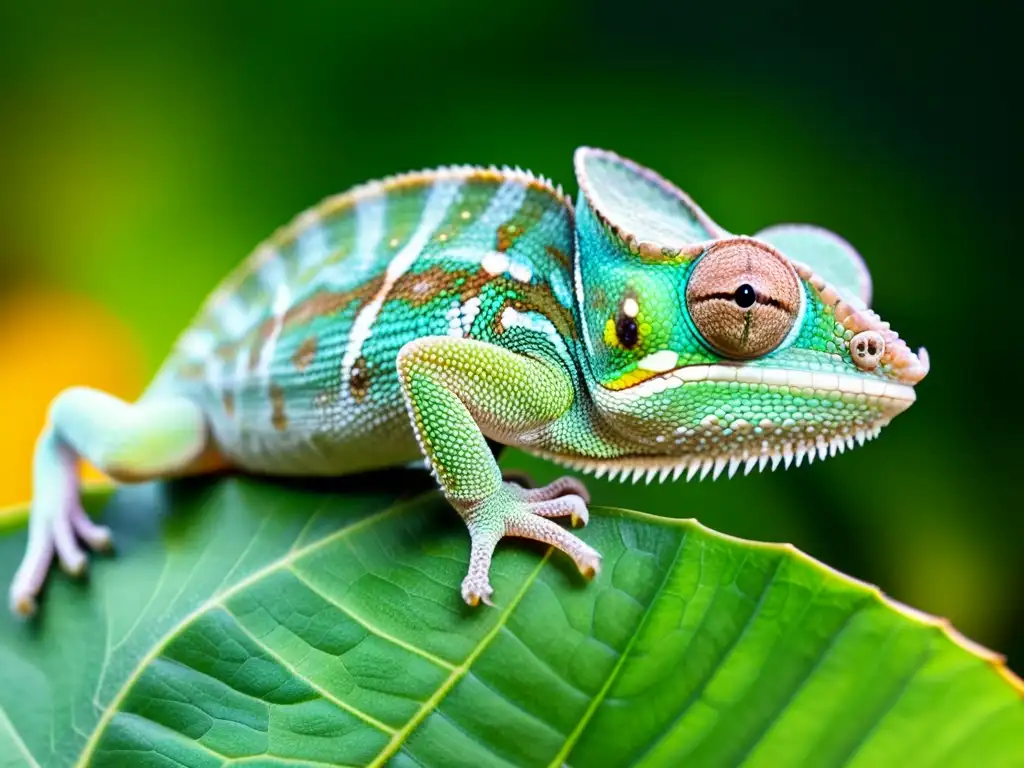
x: 145, y: 149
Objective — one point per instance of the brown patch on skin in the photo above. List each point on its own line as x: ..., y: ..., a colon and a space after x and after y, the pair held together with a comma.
x: 538, y: 298
x: 322, y: 304
x: 228, y: 398
x: 278, y: 418
x: 423, y: 287
x: 598, y: 299
x: 305, y: 354
x: 558, y: 255
x: 508, y: 233
x: 420, y: 288
x: 359, y: 381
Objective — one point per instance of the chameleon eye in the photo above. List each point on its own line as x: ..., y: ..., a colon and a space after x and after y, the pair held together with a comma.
x: 743, y: 298
x: 626, y: 330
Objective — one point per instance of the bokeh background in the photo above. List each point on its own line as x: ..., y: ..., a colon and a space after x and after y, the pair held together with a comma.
x: 145, y: 148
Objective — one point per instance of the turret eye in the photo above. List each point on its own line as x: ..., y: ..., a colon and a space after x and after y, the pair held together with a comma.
x: 743, y: 298
x: 626, y: 329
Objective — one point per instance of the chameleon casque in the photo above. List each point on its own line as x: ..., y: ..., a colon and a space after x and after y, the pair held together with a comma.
x: 419, y: 316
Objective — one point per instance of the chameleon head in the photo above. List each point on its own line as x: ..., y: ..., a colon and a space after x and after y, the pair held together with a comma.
x: 714, y: 349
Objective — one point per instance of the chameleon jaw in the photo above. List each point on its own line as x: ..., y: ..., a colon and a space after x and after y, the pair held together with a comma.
x: 710, y: 442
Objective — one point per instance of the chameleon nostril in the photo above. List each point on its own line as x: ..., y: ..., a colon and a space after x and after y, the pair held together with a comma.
x: 866, y: 349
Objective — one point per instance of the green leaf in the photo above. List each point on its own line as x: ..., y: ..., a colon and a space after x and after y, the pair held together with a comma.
x: 252, y: 623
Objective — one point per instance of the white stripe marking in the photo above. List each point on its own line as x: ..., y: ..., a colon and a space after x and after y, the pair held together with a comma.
x: 215, y: 373
x: 312, y: 240
x: 271, y: 272
x: 282, y: 301
x: 505, y: 202
x: 197, y: 343
x: 241, y: 373
x: 233, y: 317
x: 442, y: 195
x: 369, y: 212
x: 369, y: 225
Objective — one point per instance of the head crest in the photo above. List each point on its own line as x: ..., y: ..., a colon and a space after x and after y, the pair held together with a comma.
x: 644, y: 213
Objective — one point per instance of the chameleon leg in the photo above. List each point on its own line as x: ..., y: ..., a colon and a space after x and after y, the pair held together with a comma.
x: 457, y: 389
x: 129, y: 442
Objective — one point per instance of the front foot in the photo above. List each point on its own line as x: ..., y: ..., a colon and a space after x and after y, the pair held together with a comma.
x: 514, y: 511
x: 54, y: 527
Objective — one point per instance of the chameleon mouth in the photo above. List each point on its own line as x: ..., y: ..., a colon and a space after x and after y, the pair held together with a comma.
x: 806, y: 383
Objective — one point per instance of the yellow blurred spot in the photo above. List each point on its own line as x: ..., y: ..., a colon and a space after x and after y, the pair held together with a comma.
x: 611, y: 338
x: 50, y: 341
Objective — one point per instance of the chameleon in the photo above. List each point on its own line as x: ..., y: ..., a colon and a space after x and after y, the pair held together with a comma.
x: 429, y: 315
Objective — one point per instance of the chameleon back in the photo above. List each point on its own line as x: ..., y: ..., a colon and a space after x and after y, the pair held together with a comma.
x: 293, y: 356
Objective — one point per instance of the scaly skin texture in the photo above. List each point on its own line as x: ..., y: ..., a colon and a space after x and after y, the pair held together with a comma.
x: 417, y: 317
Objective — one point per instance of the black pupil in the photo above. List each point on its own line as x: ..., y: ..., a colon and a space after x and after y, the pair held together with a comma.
x: 745, y: 296
x: 626, y: 330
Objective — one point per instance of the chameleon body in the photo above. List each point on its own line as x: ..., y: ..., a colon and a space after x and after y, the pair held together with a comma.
x: 419, y: 316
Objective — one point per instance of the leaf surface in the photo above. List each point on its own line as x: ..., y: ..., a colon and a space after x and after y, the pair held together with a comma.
x: 251, y: 623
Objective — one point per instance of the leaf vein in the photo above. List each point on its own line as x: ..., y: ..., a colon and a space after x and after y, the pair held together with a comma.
x: 370, y: 719
x: 371, y: 628
x: 894, y: 699
x: 171, y: 733
x: 22, y: 747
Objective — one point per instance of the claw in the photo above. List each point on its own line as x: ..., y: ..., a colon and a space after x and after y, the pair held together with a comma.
x: 73, y: 565
x: 97, y: 537
x: 590, y: 565
x: 475, y: 593
x: 580, y: 515
x: 23, y: 605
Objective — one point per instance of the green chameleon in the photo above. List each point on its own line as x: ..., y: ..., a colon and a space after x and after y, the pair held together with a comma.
x: 423, y: 315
